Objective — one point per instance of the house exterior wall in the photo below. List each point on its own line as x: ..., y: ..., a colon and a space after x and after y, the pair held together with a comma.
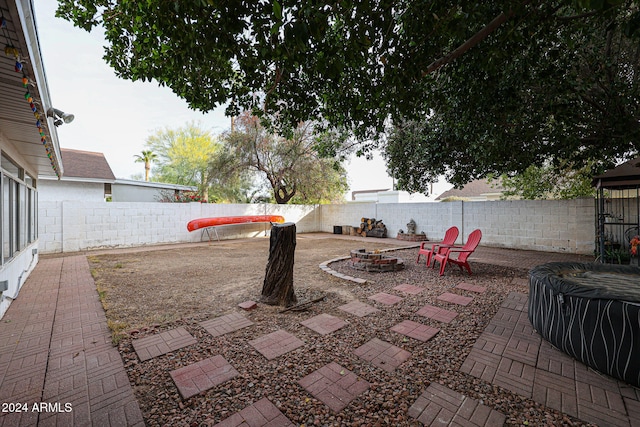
x: 552, y: 226
x: 130, y: 193
x: 18, y: 259
x: 50, y: 190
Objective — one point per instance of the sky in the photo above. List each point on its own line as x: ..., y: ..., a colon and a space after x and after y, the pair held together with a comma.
x: 115, y: 116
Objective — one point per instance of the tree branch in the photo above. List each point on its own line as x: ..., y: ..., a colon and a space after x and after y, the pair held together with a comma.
x: 474, y: 40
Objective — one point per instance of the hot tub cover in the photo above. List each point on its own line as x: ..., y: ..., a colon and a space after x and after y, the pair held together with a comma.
x: 593, y: 280
x: 591, y: 312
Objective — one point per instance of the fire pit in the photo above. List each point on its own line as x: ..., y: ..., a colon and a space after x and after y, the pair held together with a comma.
x: 375, y: 261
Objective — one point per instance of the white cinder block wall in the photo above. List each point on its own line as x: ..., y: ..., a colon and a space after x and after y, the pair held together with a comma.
x: 553, y: 225
x: 71, y: 226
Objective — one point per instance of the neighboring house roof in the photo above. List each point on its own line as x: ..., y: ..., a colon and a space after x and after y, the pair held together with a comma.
x: 476, y: 189
x: 354, y: 194
x: 86, y: 166
x: 151, y: 184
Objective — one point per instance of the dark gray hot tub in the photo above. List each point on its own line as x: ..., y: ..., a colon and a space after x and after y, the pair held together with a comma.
x: 591, y: 312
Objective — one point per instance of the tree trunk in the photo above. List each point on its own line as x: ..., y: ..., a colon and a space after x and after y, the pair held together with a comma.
x: 278, y: 279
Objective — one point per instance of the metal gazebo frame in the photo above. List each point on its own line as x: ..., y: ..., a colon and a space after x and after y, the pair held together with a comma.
x: 618, y: 212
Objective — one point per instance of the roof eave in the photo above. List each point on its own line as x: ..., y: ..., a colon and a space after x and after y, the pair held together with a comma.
x: 30, y: 33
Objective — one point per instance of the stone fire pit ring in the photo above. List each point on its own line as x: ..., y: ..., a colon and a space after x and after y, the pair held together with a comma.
x: 375, y: 261
x: 591, y: 312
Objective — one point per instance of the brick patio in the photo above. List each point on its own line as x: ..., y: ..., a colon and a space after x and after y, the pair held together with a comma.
x: 324, y: 323
x: 437, y: 313
x: 382, y: 354
x: 455, y: 299
x: 441, y: 406
x: 334, y: 386
x: 415, y: 330
x: 56, y: 347
x: 202, y: 376
x: 510, y: 354
x: 358, y: 308
x: 276, y: 344
x: 263, y: 413
x: 385, y: 298
x: 408, y: 289
x: 226, y: 324
x: 162, y: 343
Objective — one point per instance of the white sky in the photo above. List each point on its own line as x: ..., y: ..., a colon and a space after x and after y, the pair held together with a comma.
x: 115, y: 116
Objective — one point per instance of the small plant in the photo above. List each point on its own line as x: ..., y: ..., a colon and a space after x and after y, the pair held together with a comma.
x: 180, y: 197
x: 618, y: 256
x: 117, y: 330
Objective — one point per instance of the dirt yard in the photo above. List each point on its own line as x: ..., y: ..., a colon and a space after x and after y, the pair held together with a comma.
x: 141, y: 289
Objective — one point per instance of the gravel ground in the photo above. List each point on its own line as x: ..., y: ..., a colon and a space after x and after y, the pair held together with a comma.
x: 390, y: 395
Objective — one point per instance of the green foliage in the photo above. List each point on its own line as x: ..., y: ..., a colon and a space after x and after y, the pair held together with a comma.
x: 545, y: 182
x: 291, y: 166
x: 555, y: 86
x: 544, y: 81
x: 183, y: 156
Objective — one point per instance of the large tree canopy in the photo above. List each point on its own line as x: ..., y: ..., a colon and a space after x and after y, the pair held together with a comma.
x: 505, y: 84
x: 554, y: 90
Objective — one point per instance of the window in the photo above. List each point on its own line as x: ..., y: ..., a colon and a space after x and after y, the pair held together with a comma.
x: 18, y: 213
x: 6, y: 226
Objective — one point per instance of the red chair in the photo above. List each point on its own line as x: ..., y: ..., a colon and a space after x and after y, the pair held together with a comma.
x: 449, y: 239
x: 463, y: 252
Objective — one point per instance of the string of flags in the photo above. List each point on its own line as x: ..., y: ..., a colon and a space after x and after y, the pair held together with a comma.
x: 34, y: 105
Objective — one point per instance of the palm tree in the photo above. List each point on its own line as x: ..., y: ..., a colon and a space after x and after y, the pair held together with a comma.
x: 146, y: 157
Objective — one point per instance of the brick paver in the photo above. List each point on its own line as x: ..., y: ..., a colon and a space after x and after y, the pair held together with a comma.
x: 409, y: 289
x: 516, y: 301
x: 415, y: 330
x: 510, y: 354
x: 455, y: 299
x: 202, y: 376
x: 226, y: 324
x: 441, y: 406
x: 324, y: 323
x: 276, y: 344
x: 358, y: 308
x: 156, y: 345
x: 382, y: 354
x: 56, y: 348
x: 471, y: 288
x: 334, y: 386
x: 437, y: 313
x: 385, y: 298
x: 263, y: 413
